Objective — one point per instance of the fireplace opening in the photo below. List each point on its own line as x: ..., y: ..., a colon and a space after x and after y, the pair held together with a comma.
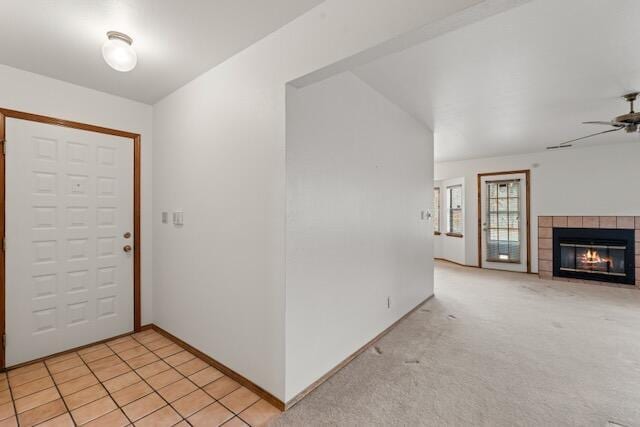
x: 606, y: 255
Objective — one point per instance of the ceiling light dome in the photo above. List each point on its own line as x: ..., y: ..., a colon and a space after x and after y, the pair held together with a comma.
x: 118, y: 53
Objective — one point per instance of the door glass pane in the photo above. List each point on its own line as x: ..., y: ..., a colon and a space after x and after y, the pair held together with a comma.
x: 514, y: 190
x: 493, y: 191
x: 503, y: 221
x: 502, y: 191
x: 513, y: 220
x: 493, y: 218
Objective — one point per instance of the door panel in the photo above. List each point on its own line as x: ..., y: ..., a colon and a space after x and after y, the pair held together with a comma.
x: 503, y: 210
x: 69, y: 201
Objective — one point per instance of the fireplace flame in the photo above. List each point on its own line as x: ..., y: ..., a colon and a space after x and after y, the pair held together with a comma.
x: 592, y: 257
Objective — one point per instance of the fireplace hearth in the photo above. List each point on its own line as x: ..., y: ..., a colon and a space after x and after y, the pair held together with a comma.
x: 590, y: 249
x: 605, y: 255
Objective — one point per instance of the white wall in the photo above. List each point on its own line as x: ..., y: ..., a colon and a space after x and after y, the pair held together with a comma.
x: 359, y: 173
x: 598, y: 180
x: 33, y: 93
x: 449, y: 247
x: 220, y: 147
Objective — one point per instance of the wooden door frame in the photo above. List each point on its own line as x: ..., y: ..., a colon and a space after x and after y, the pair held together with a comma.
x: 527, y: 173
x: 6, y: 113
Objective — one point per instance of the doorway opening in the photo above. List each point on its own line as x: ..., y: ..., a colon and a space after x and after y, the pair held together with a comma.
x: 62, y: 175
x: 504, y: 231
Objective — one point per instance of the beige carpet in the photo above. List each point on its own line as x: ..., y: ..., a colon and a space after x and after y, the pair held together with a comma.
x: 494, y: 349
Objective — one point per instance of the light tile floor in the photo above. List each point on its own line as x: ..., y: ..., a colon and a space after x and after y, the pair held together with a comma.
x: 143, y: 379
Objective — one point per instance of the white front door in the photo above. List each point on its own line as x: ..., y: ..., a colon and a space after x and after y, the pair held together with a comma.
x: 69, y: 203
x: 503, y: 210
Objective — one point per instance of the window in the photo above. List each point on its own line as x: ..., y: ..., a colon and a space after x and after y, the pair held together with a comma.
x: 454, y: 220
x: 503, y: 221
x: 436, y: 210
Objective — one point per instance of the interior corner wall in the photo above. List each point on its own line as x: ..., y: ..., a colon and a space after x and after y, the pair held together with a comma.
x: 220, y: 149
x: 450, y: 248
x: 585, y: 181
x: 359, y: 173
x: 32, y: 93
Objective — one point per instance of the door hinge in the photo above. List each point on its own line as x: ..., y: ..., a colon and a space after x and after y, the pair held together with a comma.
x: 4, y: 245
x: 4, y: 148
x: 4, y: 341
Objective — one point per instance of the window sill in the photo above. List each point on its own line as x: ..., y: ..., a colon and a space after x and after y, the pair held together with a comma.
x: 503, y: 261
x: 459, y: 235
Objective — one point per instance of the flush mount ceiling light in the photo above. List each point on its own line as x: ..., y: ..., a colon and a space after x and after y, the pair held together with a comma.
x: 118, y: 53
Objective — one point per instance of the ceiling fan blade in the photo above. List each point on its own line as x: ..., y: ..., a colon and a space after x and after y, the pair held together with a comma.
x: 616, y: 124
x: 555, y: 147
x: 567, y: 144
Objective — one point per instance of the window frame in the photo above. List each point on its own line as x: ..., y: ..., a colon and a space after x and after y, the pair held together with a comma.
x: 451, y: 209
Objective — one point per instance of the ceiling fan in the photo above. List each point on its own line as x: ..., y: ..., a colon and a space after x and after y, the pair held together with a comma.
x: 630, y: 122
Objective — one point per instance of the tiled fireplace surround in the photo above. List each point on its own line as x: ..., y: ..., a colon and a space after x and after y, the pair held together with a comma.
x: 546, y: 224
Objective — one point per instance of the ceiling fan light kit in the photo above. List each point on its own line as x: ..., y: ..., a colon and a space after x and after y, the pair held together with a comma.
x: 629, y: 122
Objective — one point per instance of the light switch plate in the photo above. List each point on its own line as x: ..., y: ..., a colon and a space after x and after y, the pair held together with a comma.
x: 178, y: 218
x: 424, y: 215
x: 165, y: 217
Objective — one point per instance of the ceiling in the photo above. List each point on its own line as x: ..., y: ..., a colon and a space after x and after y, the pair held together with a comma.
x: 175, y: 40
x: 520, y: 80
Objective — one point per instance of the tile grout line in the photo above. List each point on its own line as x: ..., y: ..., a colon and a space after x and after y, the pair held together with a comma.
x: 92, y: 372
x: 59, y: 394
x: 120, y: 408
x: 13, y: 402
x: 242, y: 419
x: 156, y: 391
x: 205, y: 392
x: 101, y: 384
x: 50, y: 374
x: 235, y: 415
x: 188, y: 379
x: 134, y: 370
x: 70, y: 394
x: 202, y: 388
x: 153, y: 388
x: 29, y: 382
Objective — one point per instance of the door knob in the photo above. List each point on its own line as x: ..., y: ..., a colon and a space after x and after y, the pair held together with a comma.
x: 127, y: 248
